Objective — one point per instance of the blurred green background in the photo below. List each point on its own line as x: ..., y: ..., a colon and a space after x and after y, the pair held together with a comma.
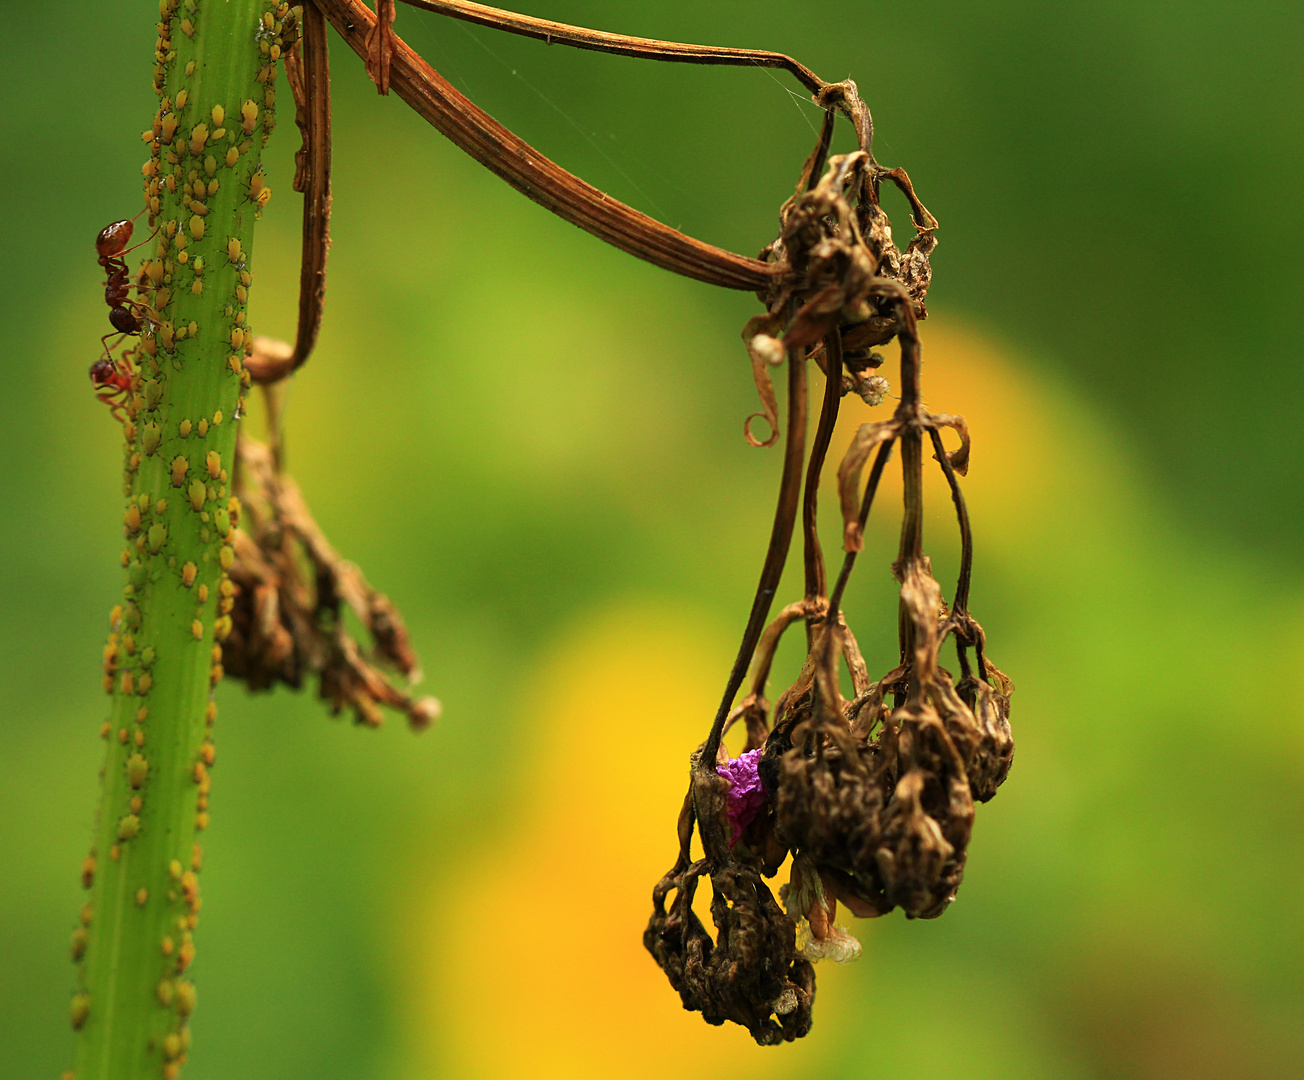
x: 533, y: 444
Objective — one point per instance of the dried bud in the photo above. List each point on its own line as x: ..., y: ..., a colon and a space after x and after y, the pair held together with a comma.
x: 873, y: 389
x: 769, y: 350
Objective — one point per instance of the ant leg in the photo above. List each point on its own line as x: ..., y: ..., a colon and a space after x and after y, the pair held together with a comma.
x: 142, y: 243
x: 115, y: 407
x: 143, y: 312
x: 108, y: 349
x: 123, y: 366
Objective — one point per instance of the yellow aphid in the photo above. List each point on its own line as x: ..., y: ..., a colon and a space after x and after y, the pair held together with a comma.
x: 179, y: 468
x: 219, y: 116
x: 181, y: 99
x: 233, y: 249
x: 198, y: 137
x: 249, y: 116
x: 213, y: 461
x: 188, y: 573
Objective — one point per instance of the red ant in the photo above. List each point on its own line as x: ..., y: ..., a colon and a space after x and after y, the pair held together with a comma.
x: 111, y: 246
x: 112, y: 378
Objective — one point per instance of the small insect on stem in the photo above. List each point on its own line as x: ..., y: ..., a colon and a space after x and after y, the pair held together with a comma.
x: 112, y: 380
x: 125, y: 314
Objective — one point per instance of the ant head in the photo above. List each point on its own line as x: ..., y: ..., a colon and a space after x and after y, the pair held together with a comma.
x: 113, y: 238
x: 102, y: 371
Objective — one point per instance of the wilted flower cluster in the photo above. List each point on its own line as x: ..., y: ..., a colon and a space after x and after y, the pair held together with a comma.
x: 291, y: 593
x: 873, y: 798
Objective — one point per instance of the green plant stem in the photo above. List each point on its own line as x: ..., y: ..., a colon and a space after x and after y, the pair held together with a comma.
x: 214, y: 71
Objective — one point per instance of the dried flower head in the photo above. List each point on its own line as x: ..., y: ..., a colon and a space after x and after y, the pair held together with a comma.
x: 287, y: 625
x: 873, y: 797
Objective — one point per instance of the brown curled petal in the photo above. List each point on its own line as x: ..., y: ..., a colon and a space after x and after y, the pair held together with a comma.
x: 959, y: 459
x: 770, y: 419
x: 923, y: 220
x: 866, y: 441
x: 765, y: 352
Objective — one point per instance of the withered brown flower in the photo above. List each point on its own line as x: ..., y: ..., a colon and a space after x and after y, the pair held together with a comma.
x: 873, y: 797
x: 290, y: 590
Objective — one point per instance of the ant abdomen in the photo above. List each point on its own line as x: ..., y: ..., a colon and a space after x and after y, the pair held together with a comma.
x: 113, y: 239
x: 124, y: 321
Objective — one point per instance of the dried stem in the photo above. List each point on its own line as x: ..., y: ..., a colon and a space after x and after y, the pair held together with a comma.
x: 960, y: 606
x: 555, y: 33
x: 776, y: 555
x: 502, y: 152
x: 307, y: 66
x: 814, y: 558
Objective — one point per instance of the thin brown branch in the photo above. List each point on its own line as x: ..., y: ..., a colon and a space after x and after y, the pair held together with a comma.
x: 555, y: 33
x: 960, y: 605
x: 317, y: 191
x: 813, y: 557
x: 785, y: 517
x: 472, y: 130
x: 307, y: 66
